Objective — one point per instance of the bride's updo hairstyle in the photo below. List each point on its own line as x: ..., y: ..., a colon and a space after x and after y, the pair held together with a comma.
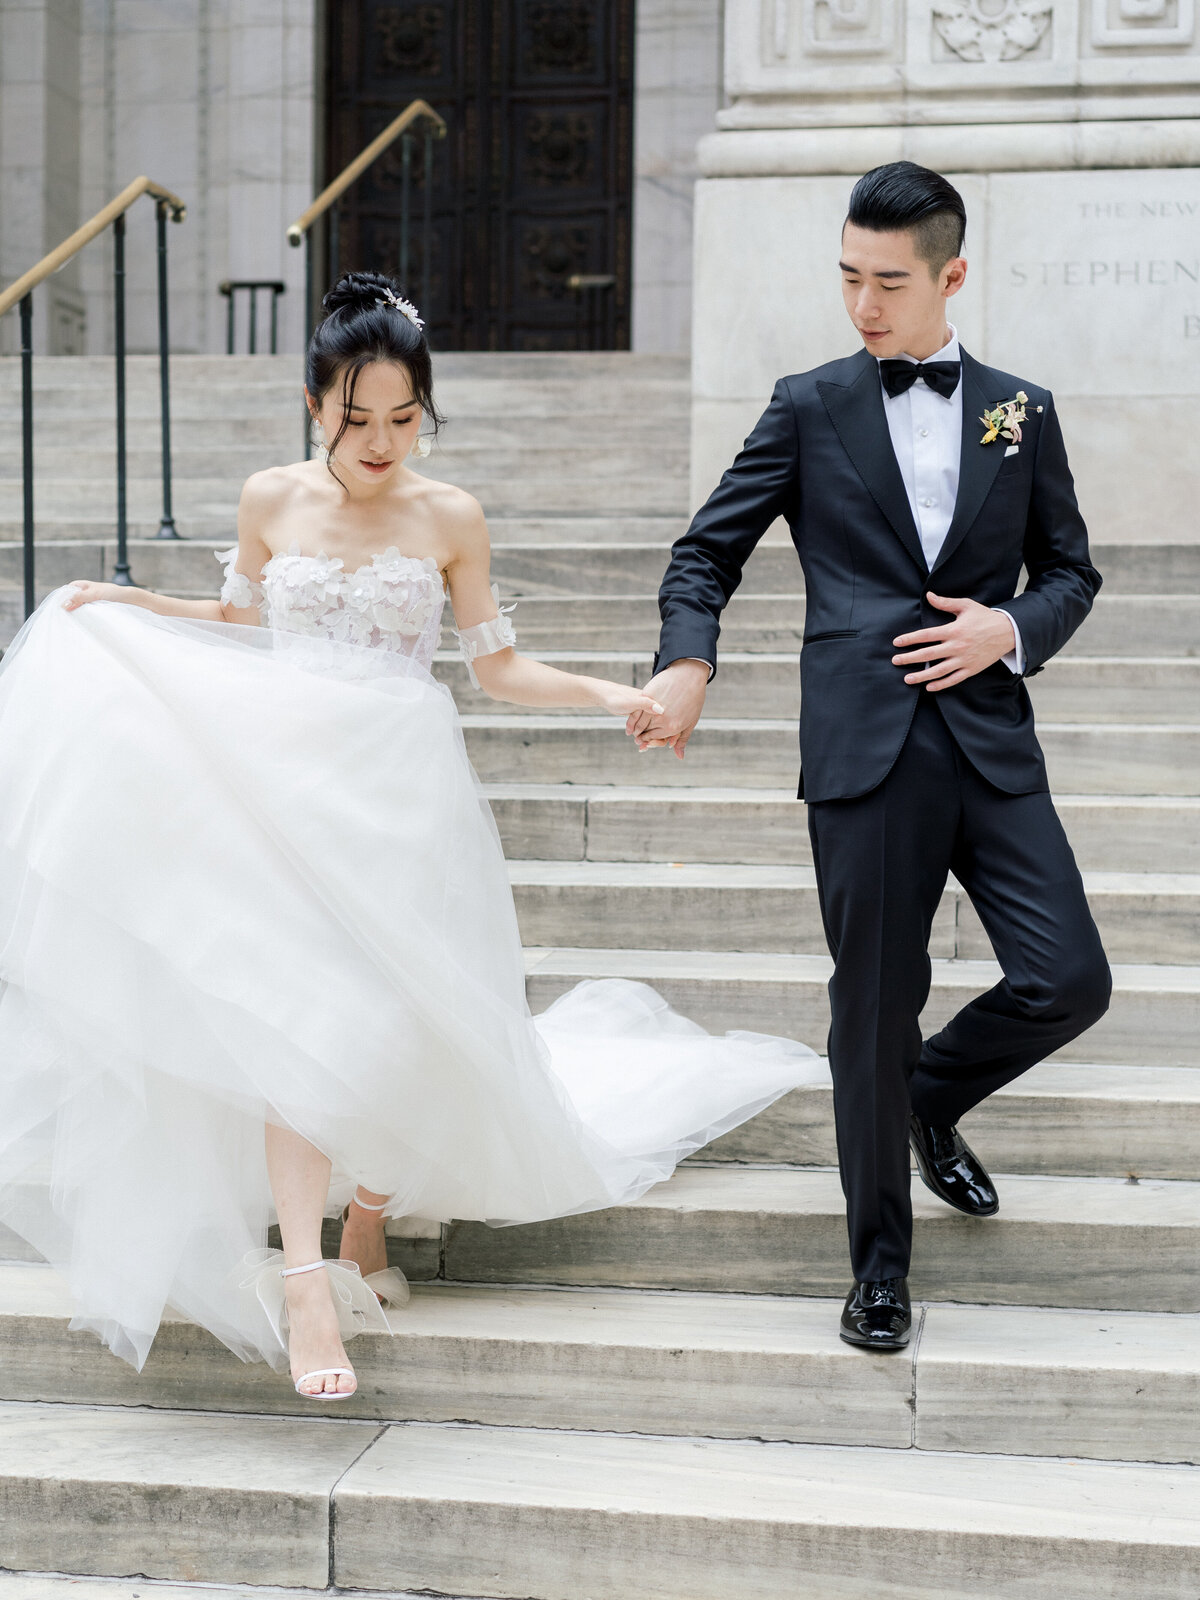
x: 363, y: 323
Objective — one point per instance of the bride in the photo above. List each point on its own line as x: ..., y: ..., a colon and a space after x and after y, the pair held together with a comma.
x: 248, y: 880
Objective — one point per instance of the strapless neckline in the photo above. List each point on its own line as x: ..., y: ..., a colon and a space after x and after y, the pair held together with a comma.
x: 379, y: 559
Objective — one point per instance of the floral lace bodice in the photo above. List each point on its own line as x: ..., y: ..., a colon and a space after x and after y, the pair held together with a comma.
x: 393, y: 602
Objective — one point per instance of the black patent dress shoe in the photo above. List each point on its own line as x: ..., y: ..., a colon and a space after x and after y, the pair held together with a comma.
x: 878, y: 1315
x: 950, y: 1168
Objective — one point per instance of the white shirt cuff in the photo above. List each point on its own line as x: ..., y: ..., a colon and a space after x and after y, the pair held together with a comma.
x: 709, y: 665
x: 1015, y: 659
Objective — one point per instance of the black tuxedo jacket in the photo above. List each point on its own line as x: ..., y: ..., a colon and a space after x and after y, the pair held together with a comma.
x: 821, y: 456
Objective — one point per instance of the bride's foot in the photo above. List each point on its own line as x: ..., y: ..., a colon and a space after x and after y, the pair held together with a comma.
x: 314, y: 1343
x: 363, y: 1237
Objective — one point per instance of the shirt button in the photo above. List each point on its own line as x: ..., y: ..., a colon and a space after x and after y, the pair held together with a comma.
x: 924, y: 433
x: 926, y: 502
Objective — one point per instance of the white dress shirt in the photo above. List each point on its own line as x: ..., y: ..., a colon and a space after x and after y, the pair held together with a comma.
x: 926, y: 429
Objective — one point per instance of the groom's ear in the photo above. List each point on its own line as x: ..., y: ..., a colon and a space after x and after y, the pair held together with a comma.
x: 953, y: 275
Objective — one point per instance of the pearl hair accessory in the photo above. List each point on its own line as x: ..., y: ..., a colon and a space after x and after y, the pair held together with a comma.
x: 405, y: 307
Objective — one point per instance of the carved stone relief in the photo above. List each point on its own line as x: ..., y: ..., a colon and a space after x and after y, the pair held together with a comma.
x: 1128, y: 24
x: 848, y: 27
x: 991, y: 30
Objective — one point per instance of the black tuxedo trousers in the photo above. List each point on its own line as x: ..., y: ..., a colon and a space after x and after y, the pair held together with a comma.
x: 882, y: 861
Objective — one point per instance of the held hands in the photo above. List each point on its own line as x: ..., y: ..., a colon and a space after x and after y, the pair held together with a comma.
x: 680, y: 690
x: 623, y: 701
x: 952, y: 651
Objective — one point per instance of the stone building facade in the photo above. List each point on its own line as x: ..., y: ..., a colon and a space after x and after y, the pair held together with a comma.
x: 1072, y: 128
x: 223, y: 101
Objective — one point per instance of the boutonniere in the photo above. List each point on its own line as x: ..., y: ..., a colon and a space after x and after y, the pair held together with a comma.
x: 1004, y: 421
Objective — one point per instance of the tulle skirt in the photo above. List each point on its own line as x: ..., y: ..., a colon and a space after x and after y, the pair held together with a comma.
x: 251, y: 876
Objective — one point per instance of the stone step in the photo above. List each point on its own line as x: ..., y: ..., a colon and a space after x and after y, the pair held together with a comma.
x: 1071, y: 689
x: 677, y: 906
x: 473, y: 457
x: 39, y: 1586
x: 705, y: 1519
x: 1113, y: 1385
x: 184, y: 564
x: 1103, y: 1243
x: 632, y: 568
x: 499, y: 491
x: 166, y: 1495
x: 762, y: 753
x: 206, y: 421
x: 455, y: 1510
x: 592, y: 559
x: 1120, y: 625
x: 580, y: 527
x: 574, y: 822
x: 1056, y: 1120
x: 1152, y: 1021
x: 477, y: 368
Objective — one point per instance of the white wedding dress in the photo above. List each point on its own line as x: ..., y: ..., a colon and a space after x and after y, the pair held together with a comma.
x: 249, y: 873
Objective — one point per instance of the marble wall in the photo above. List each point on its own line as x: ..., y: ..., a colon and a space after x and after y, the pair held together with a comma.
x: 1085, y: 281
x: 213, y: 98
x: 1072, y: 129
x: 677, y: 94
x: 39, y: 161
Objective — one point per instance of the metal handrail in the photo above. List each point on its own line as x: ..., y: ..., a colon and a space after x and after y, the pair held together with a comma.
x: 229, y: 288
x: 333, y: 191
x: 300, y: 231
x: 71, y: 246
x: 20, y: 294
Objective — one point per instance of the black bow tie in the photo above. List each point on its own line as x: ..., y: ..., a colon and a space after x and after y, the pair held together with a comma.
x: 941, y: 376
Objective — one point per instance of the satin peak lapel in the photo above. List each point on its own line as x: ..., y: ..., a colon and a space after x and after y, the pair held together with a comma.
x: 856, y: 411
x: 978, y: 463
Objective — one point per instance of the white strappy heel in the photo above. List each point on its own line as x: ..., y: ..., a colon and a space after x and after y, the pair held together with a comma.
x: 321, y: 1372
x: 389, y: 1284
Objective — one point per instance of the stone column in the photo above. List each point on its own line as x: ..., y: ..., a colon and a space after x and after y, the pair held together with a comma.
x: 1069, y: 126
x: 39, y: 163
x: 677, y: 92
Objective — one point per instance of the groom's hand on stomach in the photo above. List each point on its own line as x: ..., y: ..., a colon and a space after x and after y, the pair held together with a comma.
x: 973, y: 638
x: 680, y: 690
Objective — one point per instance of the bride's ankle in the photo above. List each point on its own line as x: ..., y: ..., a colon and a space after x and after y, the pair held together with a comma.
x: 308, y: 1288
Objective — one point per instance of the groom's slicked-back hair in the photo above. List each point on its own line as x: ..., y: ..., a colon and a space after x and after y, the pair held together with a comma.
x: 902, y: 197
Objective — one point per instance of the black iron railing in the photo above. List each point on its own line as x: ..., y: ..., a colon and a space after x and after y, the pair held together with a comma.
x: 417, y: 121
x: 230, y: 289
x: 20, y: 294
x: 593, y: 293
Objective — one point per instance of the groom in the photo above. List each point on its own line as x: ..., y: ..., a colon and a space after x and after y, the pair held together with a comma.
x: 912, y: 518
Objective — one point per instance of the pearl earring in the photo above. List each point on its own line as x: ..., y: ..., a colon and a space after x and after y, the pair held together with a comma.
x: 316, y: 433
x: 422, y: 447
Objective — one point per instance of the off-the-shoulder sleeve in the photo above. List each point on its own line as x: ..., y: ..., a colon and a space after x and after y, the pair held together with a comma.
x: 485, y: 638
x: 238, y: 590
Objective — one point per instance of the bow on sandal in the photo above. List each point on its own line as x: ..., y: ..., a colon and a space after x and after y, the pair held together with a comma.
x: 389, y: 1284
x: 358, y: 1307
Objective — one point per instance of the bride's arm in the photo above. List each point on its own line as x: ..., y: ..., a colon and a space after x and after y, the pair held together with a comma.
x: 487, y: 636
x: 84, y: 590
x: 241, y: 574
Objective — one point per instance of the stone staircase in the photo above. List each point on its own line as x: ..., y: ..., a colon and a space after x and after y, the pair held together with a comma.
x: 652, y: 1403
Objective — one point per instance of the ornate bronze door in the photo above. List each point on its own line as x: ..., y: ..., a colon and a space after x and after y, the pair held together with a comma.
x: 533, y: 184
